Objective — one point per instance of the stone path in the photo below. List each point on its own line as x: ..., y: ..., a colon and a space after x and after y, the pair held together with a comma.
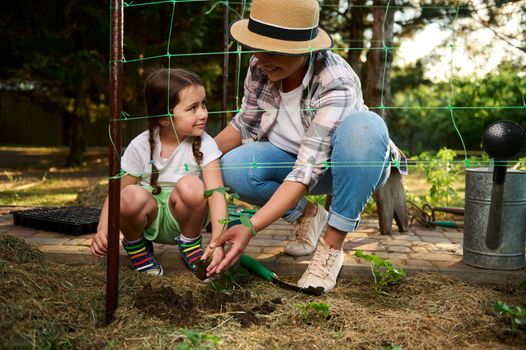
x: 419, y: 249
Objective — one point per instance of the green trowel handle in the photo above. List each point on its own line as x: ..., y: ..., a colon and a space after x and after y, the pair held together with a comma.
x: 450, y: 224
x: 256, y: 267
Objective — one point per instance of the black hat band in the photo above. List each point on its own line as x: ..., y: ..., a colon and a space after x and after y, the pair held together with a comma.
x: 282, y: 33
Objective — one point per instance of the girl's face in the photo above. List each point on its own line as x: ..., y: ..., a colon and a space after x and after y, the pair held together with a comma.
x: 190, y: 114
x: 289, y: 69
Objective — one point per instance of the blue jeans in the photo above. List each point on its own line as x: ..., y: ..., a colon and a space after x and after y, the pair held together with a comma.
x: 360, y: 138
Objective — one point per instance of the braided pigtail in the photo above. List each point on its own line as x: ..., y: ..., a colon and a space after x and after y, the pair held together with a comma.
x: 196, y: 150
x: 155, y: 173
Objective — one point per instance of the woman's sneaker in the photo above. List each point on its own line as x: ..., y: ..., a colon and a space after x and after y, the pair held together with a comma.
x: 307, y: 231
x: 323, y: 269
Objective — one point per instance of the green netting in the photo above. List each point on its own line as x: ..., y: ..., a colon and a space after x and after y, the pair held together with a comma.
x: 243, y: 5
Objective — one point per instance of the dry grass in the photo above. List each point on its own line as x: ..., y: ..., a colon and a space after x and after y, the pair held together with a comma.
x: 48, y: 305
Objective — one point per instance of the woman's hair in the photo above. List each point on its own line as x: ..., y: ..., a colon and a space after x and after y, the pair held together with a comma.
x: 161, y: 94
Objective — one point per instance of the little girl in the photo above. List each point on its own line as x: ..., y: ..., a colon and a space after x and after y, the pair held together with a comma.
x: 168, y: 168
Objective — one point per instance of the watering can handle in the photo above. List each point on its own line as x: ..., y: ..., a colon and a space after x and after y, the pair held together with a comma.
x: 493, y: 236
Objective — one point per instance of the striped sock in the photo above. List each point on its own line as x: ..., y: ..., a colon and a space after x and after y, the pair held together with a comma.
x: 141, y: 257
x: 190, y: 251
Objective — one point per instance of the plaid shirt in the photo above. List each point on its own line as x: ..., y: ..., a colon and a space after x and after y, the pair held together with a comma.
x: 331, y: 92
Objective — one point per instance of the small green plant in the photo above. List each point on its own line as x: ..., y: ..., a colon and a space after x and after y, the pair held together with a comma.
x: 440, y: 172
x: 230, y: 198
x: 200, y: 265
x: 516, y: 314
x: 384, y: 273
x: 391, y: 347
x: 197, y: 341
x: 313, y: 311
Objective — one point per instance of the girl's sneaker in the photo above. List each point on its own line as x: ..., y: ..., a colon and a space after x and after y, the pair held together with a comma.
x: 141, y: 256
x: 191, y: 251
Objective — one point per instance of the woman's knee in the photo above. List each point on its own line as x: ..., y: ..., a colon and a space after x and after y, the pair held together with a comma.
x: 361, y: 133
x: 189, y: 190
x: 364, y: 124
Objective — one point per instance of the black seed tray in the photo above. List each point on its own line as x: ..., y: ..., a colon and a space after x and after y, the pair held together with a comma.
x: 70, y: 220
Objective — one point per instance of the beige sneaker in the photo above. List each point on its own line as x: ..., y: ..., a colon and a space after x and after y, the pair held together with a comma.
x: 307, y: 231
x: 323, y: 269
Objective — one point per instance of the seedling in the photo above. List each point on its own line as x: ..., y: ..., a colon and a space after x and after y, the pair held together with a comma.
x: 516, y: 314
x: 384, y: 273
x: 391, y: 347
x: 197, y: 341
x: 229, y: 198
x: 313, y: 311
x: 200, y: 265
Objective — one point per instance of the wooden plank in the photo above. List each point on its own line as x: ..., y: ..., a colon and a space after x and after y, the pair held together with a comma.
x: 391, y: 203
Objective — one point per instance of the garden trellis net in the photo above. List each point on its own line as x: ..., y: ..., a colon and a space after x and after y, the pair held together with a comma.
x: 240, y: 10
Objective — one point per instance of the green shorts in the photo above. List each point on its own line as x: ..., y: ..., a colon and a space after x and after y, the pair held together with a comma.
x: 164, y: 229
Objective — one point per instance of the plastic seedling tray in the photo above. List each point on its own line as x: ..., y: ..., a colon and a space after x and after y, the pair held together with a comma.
x: 69, y: 220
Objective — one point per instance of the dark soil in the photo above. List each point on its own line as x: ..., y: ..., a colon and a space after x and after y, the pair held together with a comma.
x: 189, y: 308
x: 200, y: 269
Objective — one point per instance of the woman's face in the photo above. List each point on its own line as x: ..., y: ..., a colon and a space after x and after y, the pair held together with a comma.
x: 289, y: 69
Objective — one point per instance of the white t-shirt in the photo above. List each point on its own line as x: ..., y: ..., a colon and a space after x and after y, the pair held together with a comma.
x: 136, y: 159
x: 288, y: 129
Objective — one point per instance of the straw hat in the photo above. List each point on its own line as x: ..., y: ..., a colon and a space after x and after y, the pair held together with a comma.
x: 282, y: 26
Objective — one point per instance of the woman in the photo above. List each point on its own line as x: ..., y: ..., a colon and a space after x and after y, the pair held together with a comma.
x: 305, y: 129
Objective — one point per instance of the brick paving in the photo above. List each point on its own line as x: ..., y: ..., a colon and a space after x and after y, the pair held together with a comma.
x: 419, y: 249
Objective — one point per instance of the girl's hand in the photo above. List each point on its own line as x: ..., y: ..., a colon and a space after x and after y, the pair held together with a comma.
x: 99, y: 243
x: 217, y: 256
x: 238, y: 236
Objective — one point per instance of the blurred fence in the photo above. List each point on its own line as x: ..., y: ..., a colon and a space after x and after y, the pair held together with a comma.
x: 25, y: 123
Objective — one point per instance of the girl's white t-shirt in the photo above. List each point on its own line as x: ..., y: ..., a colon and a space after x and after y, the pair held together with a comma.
x: 136, y: 159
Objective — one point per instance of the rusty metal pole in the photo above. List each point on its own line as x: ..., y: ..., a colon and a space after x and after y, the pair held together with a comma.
x: 236, y: 71
x: 225, y: 66
x: 112, y: 274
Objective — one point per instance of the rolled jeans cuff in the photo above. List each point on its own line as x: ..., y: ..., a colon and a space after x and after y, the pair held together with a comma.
x: 342, y: 223
x: 296, y: 212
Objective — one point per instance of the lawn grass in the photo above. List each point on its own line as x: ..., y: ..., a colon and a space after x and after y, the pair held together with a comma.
x: 34, y: 176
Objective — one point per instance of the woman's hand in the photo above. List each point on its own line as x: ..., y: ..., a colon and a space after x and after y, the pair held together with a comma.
x: 238, y: 236
x: 99, y: 243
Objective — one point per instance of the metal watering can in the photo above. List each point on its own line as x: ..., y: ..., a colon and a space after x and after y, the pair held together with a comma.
x: 495, y: 204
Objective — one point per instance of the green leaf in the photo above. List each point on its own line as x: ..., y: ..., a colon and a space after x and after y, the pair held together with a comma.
x: 502, y: 308
x: 222, y: 190
x: 245, y: 221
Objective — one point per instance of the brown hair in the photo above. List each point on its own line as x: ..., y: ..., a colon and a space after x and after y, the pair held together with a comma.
x: 161, y: 95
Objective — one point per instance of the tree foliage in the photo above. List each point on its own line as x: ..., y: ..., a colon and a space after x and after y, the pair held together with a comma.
x: 424, y: 121
x: 57, y: 53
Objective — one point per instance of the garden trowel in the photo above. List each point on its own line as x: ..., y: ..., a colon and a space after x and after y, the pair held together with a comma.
x: 259, y: 269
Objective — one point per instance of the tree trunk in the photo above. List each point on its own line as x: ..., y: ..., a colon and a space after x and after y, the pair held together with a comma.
x: 377, y: 83
x: 390, y: 199
x: 356, y: 29
x: 77, y: 140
